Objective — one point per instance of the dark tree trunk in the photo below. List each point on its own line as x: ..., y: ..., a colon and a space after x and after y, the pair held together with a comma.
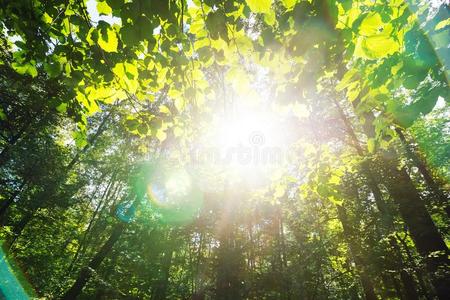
x: 83, y: 242
x: 4, y: 154
x: 86, y: 273
x: 19, y: 227
x: 366, y: 283
x: 409, y: 286
x: 434, y: 187
x: 420, y: 274
x: 160, y: 290
x: 6, y: 204
x: 91, y: 142
x: 427, y: 238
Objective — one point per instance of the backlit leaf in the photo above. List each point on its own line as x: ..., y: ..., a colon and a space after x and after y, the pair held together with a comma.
x: 108, y: 40
x: 103, y: 8
x: 260, y: 6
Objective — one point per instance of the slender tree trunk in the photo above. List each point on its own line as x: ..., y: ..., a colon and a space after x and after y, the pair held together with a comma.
x: 228, y: 280
x: 385, y: 213
x: 72, y: 163
x: 198, y: 286
x: 434, y: 187
x: 409, y: 286
x: 6, y: 204
x: 367, y: 284
x: 286, y: 286
x: 4, y: 154
x: 419, y: 272
x: 19, y: 227
x: 82, y: 243
x: 160, y: 291
x: 86, y: 273
x: 91, y: 142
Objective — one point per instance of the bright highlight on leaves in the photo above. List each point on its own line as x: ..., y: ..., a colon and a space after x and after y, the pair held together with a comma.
x: 375, y: 38
x: 103, y: 8
x: 108, y: 40
x: 289, y: 3
x: 26, y: 68
x: 260, y: 6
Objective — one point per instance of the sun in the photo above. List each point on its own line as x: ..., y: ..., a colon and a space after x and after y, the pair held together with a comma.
x: 246, y: 144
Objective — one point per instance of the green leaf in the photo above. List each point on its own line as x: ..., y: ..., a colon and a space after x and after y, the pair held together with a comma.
x: 129, y: 35
x: 375, y: 40
x: 335, y: 200
x: 288, y: 3
x: 53, y: 69
x: 374, y: 47
x: 132, y: 124
x: 108, y: 40
x: 216, y: 25
x: 27, y: 68
x: 142, y: 128
x: 442, y: 24
x: 46, y: 18
x: 80, y: 138
x: 115, y: 4
x: 161, y: 135
x: 62, y: 108
x: 103, y: 8
x: 2, y: 115
x: 259, y: 6
x: 270, y: 18
x: 411, y: 82
x: 127, y: 74
x: 164, y: 109
x: 346, y: 79
x: 371, y: 145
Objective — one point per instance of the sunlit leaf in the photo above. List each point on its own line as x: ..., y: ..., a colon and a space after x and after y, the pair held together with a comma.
x: 288, y: 3
x: 107, y: 40
x: 27, y: 68
x: 103, y: 8
x: 260, y: 6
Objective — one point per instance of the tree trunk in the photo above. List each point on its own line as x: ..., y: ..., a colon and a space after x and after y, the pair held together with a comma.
x: 426, y: 237
x: 409, y: 286
x: 5, y: 205
x: 83, y: 243
x: 367, y: 284
x: 19, y: 227
x: 91, y: 142
x: 86, y: 273
x: 420, y: 274
x: 436, y: 191
x: 160, y: 290
x: 385, y: 213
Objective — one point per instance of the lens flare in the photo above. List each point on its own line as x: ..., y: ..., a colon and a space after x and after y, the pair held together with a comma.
x: 174, y: 196
x: 12, y: 282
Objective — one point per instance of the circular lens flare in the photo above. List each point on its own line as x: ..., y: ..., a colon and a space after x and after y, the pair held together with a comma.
x: 174, y: 196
